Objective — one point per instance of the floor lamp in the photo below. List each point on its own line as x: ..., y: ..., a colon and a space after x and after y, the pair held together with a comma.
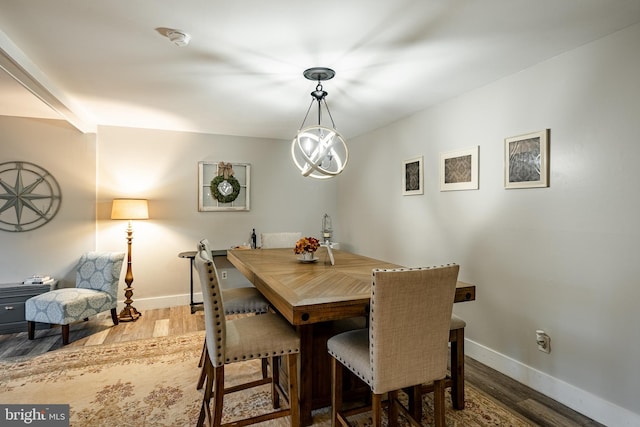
x: 129, y: 209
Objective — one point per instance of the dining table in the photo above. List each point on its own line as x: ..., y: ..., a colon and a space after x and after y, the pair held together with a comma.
x: 318, y: 298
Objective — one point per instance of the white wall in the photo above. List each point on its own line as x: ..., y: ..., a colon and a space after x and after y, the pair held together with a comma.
x: 163, y: 167
x: 564, y: 259
x: 70, y: 158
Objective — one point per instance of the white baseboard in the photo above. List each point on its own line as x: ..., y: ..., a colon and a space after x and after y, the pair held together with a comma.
x: 159, y: 302
x: 577, y: 399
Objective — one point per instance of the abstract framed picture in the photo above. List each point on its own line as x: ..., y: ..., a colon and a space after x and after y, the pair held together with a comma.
x: 412, y: 176
x: 459, y: 169
x: 526, y: 160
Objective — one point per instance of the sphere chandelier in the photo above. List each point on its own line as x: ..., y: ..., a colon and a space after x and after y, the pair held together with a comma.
x: 319, y: 151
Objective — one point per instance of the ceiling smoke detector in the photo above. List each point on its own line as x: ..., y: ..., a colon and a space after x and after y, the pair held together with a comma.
x: 178, y: 37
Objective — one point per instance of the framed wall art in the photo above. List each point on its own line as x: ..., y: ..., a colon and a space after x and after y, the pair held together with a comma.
x: 224, y: 186
x: 31, y: 196
x: 526, y: 160
x: 412, y: 176
x: 459, y: 169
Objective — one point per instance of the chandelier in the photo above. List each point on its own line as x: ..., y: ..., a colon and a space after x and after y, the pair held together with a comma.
x: 319, y: 151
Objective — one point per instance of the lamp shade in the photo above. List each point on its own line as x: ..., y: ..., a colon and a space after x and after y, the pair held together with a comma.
x: 130, y: 209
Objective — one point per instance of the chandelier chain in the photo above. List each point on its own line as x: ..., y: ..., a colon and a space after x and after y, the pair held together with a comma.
x: 306, y: 115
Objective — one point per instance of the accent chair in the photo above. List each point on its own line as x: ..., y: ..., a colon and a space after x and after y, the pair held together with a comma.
x: 97, y: 279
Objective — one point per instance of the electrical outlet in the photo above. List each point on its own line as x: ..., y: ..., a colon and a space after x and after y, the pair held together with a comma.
x: 223, y: 274
x: 543, y: 340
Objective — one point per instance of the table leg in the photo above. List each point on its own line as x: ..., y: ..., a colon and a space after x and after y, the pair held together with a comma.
x: 191, y: 267
x: 457, y: 369
x: 306, y: 374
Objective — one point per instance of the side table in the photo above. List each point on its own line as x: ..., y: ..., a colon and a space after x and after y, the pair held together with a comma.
x: 12, y: 299
x: 191, y: 255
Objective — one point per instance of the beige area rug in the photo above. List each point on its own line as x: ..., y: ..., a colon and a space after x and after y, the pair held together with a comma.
x: 152, y: 383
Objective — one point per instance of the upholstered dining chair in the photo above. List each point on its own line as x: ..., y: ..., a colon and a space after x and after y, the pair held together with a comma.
x: 243, y: 339
x: 240, y: 300
x: 456, y: 340
x: 279, y: 240
x: 97, y: 278
x: 405, y: 346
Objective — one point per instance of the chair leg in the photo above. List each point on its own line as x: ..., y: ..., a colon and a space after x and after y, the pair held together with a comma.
x: 203, y: 370
x: 393, y: 408
x: 415, y: 402
x: 65, y: 334
x: 275, y: 380
x: 336, y: 391
x: 31, y: 329
x: 294, y: 403
x: 114, y: 316
x: 376, y: 410
x: 457, y: 368
x: 438, y: 403
x: 214, y: 389
x: 205, y: 409
x: 218, y: 396
x: 203, y: 355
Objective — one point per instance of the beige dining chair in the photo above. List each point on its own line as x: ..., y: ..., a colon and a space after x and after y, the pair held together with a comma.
x: 405, y: 345
x: 240, y: 300
x: 243, y: 339
x: 279, y: 240
x: 456, y: 360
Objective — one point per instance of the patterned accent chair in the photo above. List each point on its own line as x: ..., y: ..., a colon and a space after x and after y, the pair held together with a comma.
x: 405, y: 346
x: 97, y: 278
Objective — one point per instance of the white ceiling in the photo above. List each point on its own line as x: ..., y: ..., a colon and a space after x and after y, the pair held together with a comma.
x: 107, y: 62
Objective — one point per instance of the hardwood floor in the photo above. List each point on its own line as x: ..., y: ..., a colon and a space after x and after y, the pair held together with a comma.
x: 535, y: 407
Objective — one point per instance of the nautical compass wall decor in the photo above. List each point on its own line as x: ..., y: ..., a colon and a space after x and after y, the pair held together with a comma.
x: 29, y: 196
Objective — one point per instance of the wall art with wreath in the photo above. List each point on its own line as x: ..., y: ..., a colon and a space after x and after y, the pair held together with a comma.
x: 223, y: 186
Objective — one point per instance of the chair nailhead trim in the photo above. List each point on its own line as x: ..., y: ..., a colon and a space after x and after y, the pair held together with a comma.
x: 263, y: 355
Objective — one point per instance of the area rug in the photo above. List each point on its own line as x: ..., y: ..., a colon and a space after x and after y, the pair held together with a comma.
x: 152, y: 383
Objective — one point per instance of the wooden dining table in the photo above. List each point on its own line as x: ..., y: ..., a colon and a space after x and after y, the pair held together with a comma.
x: 319, y: 299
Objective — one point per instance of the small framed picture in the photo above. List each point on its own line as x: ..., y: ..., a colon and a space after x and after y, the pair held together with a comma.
x: 526, y: 160
x: 412, y: 176
x: 459, y: 169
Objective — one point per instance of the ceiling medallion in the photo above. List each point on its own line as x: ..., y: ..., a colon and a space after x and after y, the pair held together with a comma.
x: 319, y: 151
x: 29, y: 196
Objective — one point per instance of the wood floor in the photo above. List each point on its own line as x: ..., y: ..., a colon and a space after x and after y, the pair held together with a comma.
x: 537, y: 408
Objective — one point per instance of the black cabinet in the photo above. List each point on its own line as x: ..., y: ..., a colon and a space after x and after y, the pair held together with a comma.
x: 12, y: 299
